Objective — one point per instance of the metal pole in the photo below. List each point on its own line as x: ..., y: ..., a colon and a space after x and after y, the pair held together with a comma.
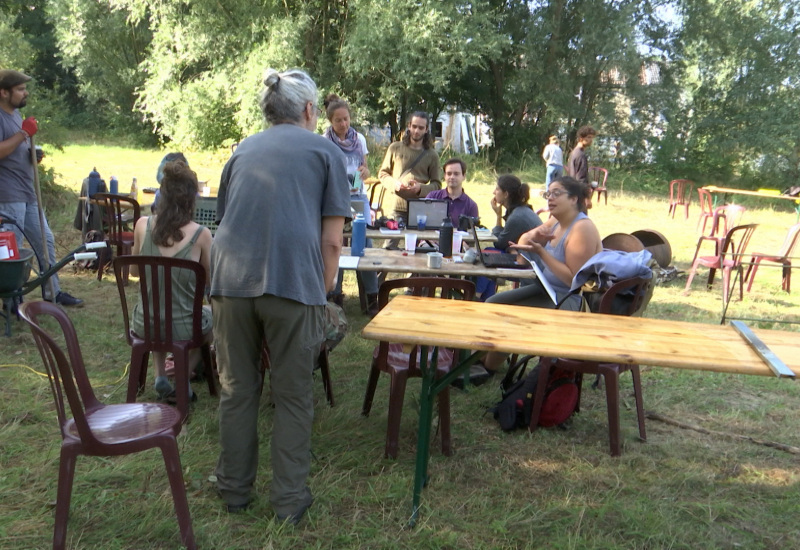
x: 37, y: 189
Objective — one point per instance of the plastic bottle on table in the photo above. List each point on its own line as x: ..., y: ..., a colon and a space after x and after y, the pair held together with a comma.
x: 446, y: 238
x: 113, y: 185
x: 359, y: 240
x: 134, y: 190
x: 94, y: 182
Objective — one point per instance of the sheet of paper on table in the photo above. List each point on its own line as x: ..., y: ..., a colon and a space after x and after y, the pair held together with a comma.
x: 348, y: 262
x: 385, y: 231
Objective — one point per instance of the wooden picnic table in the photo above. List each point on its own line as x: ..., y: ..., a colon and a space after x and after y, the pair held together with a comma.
x: 396, y: 261
x: 426, y: 235
x: 483, y: 327
x: 714, y: 190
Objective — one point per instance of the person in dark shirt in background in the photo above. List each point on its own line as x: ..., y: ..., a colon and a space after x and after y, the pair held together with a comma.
x: 578, y: 166
x: 455, y: 172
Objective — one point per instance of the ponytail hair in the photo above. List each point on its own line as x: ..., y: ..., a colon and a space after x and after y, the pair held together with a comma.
x: 518, y: 193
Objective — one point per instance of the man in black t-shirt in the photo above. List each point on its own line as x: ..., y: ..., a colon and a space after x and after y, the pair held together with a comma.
x: 578, y: 166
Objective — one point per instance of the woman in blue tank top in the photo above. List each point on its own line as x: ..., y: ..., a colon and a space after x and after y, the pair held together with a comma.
x: 563, y: 244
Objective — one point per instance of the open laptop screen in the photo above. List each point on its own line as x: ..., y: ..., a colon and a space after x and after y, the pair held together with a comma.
x: 436, y: 210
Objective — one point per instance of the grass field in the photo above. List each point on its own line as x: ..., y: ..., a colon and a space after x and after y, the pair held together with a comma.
x: 553, y: 489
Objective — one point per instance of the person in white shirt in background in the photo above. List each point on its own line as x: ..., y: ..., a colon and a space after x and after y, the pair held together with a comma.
x: 554, y: 158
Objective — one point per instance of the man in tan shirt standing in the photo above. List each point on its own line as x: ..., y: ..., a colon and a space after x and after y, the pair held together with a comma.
x: 410, y: 169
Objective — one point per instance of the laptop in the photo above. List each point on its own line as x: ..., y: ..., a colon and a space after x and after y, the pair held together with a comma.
x: 435, y: 209
x: 497, y: 259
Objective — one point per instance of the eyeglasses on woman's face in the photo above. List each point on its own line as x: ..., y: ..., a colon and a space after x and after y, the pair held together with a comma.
x: 555, y: 193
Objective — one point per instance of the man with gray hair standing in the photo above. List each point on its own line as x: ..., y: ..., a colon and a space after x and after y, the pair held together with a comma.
x: 283, y: 200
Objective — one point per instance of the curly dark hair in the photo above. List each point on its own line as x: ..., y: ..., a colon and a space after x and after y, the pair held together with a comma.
x: 176, y: 204
x: 427, y: 139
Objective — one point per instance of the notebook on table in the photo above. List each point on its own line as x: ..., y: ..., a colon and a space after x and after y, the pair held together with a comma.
x: 497, y: 259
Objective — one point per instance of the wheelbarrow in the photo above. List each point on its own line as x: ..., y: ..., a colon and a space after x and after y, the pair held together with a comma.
x: 15, y: 274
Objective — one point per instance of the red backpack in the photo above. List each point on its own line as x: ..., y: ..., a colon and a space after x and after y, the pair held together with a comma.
x: 560, y: 399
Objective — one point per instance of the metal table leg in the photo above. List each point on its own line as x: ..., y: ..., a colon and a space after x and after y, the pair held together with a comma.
x: 430, y: 388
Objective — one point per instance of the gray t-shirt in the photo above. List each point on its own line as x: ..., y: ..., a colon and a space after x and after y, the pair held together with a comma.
x: 521, y: 220
x: 16, y: 170
x: 273, y: 194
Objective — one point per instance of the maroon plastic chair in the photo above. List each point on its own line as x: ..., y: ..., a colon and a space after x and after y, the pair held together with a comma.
x: 728, y: 259
x: 783, y: 257
x: 724, y: 218
x: 157, y: 310
x: 706, y: 208
x: 400, y: 366
x: 96, y: 429
x: 610, y: 372
x: 120, y: 214
x: 680, y: 194
x: 600, y: 175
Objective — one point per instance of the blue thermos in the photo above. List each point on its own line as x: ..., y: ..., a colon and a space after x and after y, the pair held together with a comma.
x: 359, y: 235
x: 114, y: 186
x: 94, y: 183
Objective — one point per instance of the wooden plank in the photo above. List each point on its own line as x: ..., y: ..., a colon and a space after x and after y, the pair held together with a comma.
x: 632, y: 340
x: 731, y: 190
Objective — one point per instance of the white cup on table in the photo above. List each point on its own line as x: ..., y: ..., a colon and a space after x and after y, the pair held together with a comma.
x: 411, y: 242
x: 435, y: 260
x: 458, y: 238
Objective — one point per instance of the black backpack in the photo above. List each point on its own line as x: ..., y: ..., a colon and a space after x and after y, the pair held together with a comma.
x: 515, y: 408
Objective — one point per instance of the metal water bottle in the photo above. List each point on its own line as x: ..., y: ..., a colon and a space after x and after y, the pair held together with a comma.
x: 114, y: 185
x: 446, y: 238
x: 359, y: 241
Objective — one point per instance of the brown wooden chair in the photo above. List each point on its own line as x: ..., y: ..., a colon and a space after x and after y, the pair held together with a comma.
x: 96, y: 429
x: 637, y: 289
x: 400, y: 366
x: 680, y: 194
x: 783, y: 257
x: 120, y: 214
x: 600, y: 175
x: 728, y: 258
x: 156, y: 277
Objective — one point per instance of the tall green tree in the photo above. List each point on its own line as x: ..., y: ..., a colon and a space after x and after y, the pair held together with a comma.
x: 105, y: 50
x: 740, y: 75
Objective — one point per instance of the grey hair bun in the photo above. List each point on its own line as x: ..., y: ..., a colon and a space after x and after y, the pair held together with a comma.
x: 271, y: 78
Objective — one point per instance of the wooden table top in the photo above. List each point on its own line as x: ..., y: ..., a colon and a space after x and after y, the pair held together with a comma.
x: 556, y: 333
x: 393, y: 261
x: 715, y: 189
